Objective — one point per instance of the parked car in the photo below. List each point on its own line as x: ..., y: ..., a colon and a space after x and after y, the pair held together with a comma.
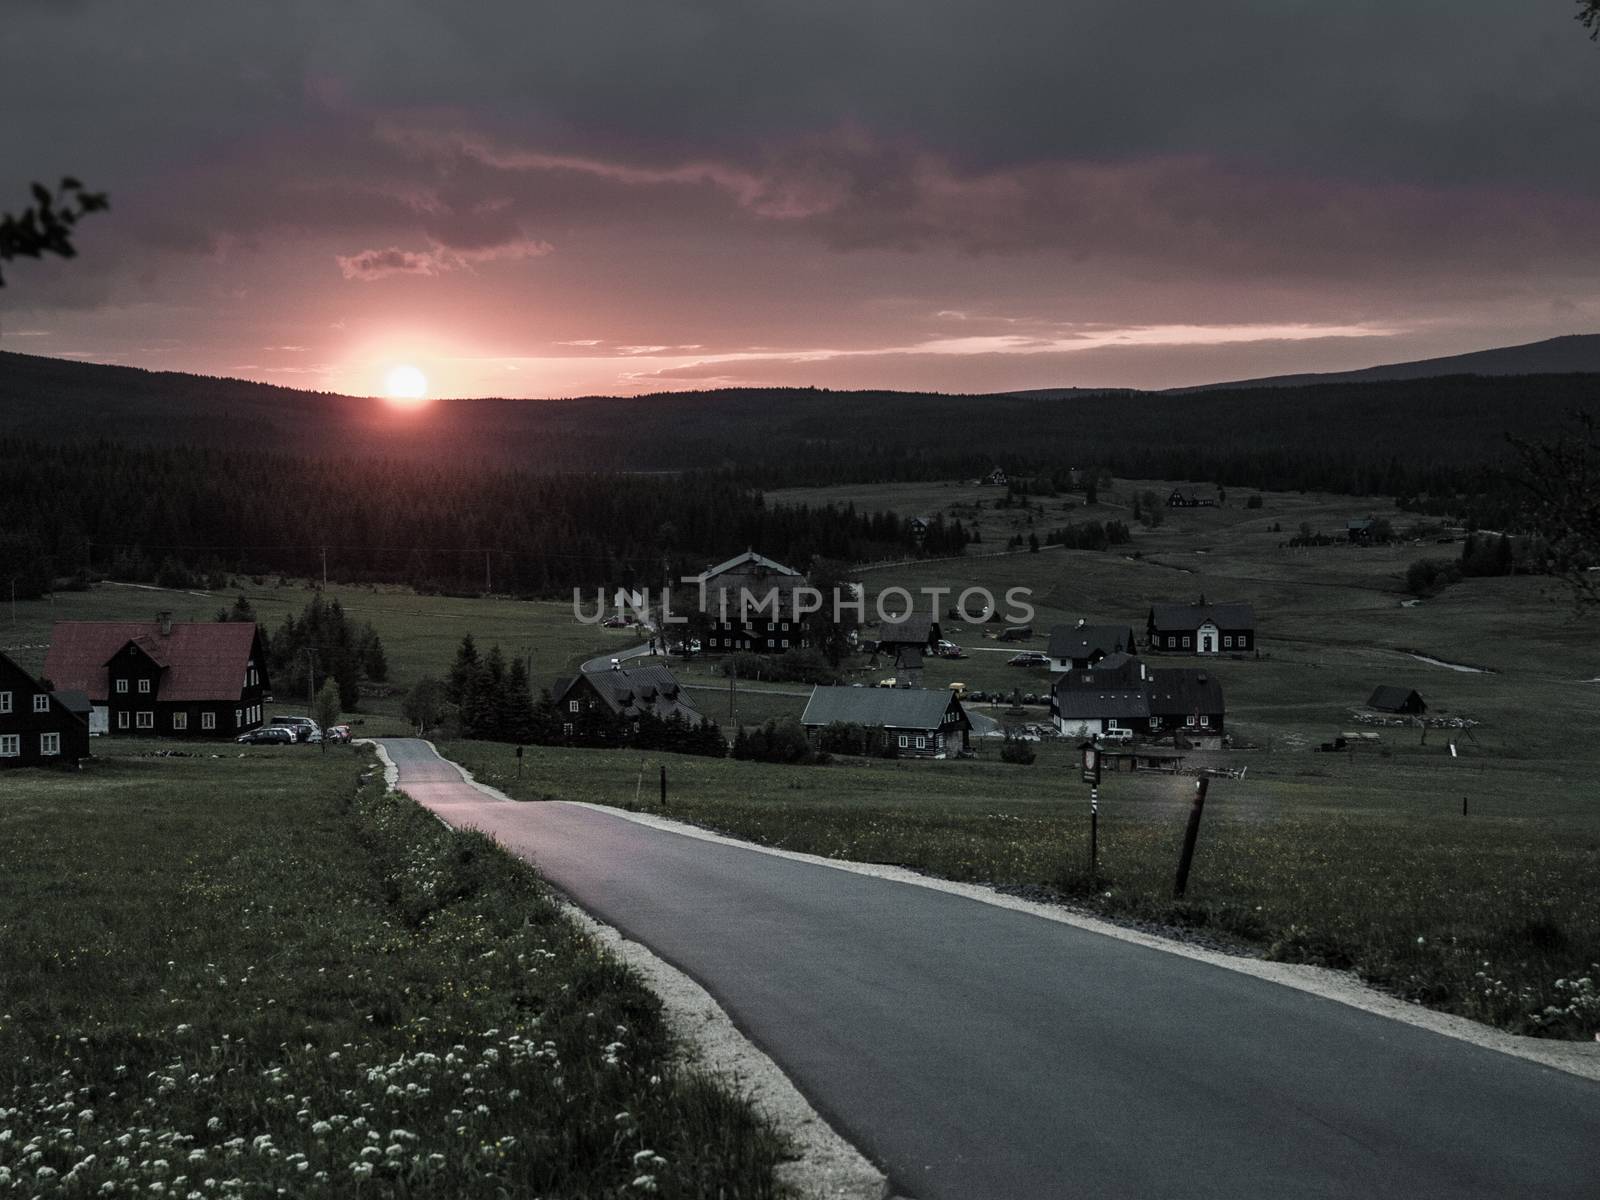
x: 1016, y: 633
x: 1119, y: 736
x: 301, y: 727
x: 617, y: 622
x: 1029, y: 658
x: 267, y: 735
x: 338, y: 733
x: 960, y: 689
x: 950, y: 650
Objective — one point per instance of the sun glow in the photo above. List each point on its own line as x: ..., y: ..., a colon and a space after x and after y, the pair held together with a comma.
x: 405, y: 386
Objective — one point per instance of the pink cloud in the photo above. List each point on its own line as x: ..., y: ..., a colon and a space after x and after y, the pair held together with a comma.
x: 436, y: 260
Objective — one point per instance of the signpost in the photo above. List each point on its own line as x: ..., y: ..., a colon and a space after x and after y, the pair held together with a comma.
x: 1094, y: 833
x: 519, y: 762
x: 1190, y: 836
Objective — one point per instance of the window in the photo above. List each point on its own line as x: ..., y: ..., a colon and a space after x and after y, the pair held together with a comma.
x: 771, y: 626
x: 1186, y: 641
x: 145, y: 720
x: 904, y: 741
x: 180, y: 722
x: 208, y: 720
x: 1155, y: 724
x: 10, y: 745
x: 922, y: 743
x: 786, y: 627
x: 1171, y: 641
x: 785, y: 643
x: 144, y: 686
x: 41, y: 702
x: 1111, y: 723
x: 5, y: 702
x: 122, y: 686
x: 572, y: 706
x: 122, y: 720
x: 566, y: 730
x: 1190, y: 720
x: 49, y: 743
x: 1204, y: 720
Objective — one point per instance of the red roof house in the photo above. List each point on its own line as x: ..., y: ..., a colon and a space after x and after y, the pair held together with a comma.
x: 164, y: 678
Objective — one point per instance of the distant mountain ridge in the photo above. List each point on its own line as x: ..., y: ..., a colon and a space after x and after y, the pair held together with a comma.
x: 1575, y: 353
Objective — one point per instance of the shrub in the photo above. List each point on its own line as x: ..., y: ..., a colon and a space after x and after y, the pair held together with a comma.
x: 797, y: 666
x: 1255, y: 501
x: 1427, y: 576
x: 1015, y: 750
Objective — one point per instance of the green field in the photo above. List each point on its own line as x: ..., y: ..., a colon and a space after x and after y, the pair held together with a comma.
x: 1341, y: 858
x: 229, y: 975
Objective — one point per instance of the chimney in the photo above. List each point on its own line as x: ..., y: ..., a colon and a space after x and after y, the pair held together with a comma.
x: 164, y: 619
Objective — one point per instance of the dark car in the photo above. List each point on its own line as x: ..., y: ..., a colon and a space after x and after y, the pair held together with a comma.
x: 267, y: 735
x: 337, y: 733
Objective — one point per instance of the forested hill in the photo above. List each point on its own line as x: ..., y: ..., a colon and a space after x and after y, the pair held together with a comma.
x: 1397, y: 438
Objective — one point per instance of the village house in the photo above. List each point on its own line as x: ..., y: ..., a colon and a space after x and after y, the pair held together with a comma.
x: 1201, y: 628
x: 162, y: 678
x: 1390, y: 698
x: 1073, y: 647
x: 907, y: 722
x: 745, y: 604
x: 38, y: 727
x: 995, y: 478
x: 1120, y: 692
x: 623, y: 693
x: 1188, y: 497
x: 914, y: 631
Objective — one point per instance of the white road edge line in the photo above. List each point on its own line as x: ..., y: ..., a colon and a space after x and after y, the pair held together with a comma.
x: 1575, y: 1058
x: 828, y: 1167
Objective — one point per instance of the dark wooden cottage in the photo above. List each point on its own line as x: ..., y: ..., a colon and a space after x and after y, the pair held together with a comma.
x: 1120, y: 692
x: 39, y: 727
x: 199, y: 679
x: 907, y: 722
x: 1187, y: 497
x: 622, y: 694
x: 1201, y: 628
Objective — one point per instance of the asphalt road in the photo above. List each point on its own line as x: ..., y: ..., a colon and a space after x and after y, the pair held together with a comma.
x: 974, y: 1051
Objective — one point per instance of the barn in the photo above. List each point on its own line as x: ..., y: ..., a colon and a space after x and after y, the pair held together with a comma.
x: 1388, y: 697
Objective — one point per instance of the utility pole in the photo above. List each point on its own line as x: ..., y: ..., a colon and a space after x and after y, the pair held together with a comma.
x: 733, y: 687
x: 311, y: 678
x: 324, y: 568
x: 488, y: 583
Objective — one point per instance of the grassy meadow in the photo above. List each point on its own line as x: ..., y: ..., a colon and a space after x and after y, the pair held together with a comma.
x: 232, y: 974
x: 1340, y: 858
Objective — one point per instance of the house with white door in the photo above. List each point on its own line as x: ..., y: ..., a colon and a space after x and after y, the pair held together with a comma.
x: 1201, y: 628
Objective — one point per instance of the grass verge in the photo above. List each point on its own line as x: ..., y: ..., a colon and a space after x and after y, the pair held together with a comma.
x: 245, y: 976
x: 1491, y: 916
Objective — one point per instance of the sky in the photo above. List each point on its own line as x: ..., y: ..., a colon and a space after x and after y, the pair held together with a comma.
x: 533, y: 199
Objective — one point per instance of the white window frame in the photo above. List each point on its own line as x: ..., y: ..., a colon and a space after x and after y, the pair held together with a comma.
x: 10, y: 745
x: 144, y: 720
x: 49, y: 744
x: 208, y: 720
x: 922, y: 743
x: 1204, y: 720
x: 122, y: 719
x: 122, y: 687
x: 238, y: 717
x: 180, y: 722
x: 1172, y: 641
x: 1186, y: 642
x: 144, y: 687
x: 41, y: 702
x: 785, y: 643
x: 566, y: 729
x: 1155, y: 724
x: 904, y: 741
x: 5, y: 702
x: 1189, y: 720
x: 786, y: 627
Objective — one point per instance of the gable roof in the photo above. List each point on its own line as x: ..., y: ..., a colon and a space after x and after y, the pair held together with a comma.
x: 200, y: 660
x: 756, y: 563
x: 629, y: 691
x: 1083, y: 641
x: 1233, y: 615
x: 1085, y: 703
x: 75, y: 702
x: 914, y: 629
x: 893, y: 708
x: 1179, y: 691
x: 1389, y: 697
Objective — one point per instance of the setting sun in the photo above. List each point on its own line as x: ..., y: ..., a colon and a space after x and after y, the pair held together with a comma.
x: 405, y: 386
